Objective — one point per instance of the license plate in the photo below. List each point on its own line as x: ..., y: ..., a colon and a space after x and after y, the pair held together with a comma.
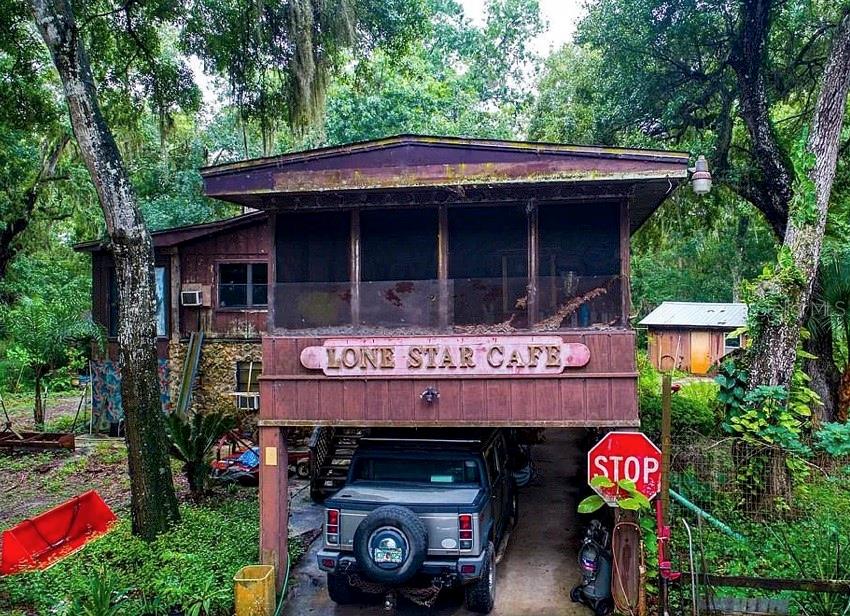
x: 387, y: 555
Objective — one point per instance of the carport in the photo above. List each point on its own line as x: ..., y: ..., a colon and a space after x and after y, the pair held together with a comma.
x: 538, y: 568
x: 444, y: 282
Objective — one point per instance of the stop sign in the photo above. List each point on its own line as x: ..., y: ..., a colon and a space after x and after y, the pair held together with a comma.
x: 625, y: 455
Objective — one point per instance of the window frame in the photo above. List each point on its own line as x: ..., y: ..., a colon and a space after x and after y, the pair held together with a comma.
x: 255, y: 367
x: 248, y: 263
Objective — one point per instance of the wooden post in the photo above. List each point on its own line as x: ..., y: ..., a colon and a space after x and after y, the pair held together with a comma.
x: 443, y: 264
x: 533, y: 261
x: 666, y: 403
x: 355, y: 267
x: 274, y: 500
x: 271, y: 324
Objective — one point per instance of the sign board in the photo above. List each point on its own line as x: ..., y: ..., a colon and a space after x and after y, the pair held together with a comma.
x: 441, y: 356
x: 625, y: 455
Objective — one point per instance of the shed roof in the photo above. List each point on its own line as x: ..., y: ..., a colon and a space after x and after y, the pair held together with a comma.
x: 409, y: 170
x: 697, y: 315
x: 165, y: 238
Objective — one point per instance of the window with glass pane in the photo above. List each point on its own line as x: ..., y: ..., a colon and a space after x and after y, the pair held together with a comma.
x: 488, y: 264
x: 579, y: 264
x: 242, y: 285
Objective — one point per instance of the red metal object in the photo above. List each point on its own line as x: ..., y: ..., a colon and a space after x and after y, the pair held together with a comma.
x: 665, y: 569
x: 625, y: 455
x: 39, y: 542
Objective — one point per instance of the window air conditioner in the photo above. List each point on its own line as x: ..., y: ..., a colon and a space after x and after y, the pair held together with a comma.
x: 190, y: 298
x: 248, y: 401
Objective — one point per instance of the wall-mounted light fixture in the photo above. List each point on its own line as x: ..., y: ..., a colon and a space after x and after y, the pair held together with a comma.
x: 700, y: 177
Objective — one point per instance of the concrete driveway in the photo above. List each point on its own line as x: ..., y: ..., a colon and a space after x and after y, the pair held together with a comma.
x: 538, y: 569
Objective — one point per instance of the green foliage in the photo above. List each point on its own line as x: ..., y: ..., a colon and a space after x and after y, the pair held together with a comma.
x: 192, y: 440
x: 694, y: 408
x: 834, y: 439
x: 102, y: 598
x: 732, y: 381
x: 191, y: 566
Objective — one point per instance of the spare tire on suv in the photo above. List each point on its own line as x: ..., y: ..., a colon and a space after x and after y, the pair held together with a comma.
x: 390, y: 544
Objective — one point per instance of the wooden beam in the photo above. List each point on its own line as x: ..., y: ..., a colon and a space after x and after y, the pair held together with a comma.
x: 355, y: 267
x: 274, y: 500
x: 271, y: 228
x: 443, y: 264
x: 740, y: 581
x: 533, y: 261
x: 625, y: 265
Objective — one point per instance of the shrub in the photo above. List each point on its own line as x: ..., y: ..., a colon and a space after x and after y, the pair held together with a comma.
x: 693, y: 408
x: 834, y: 439
x: 196, y: 559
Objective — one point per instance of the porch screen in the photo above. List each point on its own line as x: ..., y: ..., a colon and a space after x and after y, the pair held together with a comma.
x: 398, y: 273
x: 312, y: 270
x: 488, y: 265
x: 579, y: 282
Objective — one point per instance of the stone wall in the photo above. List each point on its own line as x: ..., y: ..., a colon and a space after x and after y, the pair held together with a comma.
x: 216, y: 381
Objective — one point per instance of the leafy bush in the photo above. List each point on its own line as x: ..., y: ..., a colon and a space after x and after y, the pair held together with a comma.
x: 834, y: 439
x: 191, y: 565
x: 693, y: 408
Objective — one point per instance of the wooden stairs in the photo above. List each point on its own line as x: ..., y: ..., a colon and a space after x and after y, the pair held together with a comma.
x: 331, y: 450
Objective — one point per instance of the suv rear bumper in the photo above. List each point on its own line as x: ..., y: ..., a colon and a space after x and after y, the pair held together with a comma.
x: 466, y: 568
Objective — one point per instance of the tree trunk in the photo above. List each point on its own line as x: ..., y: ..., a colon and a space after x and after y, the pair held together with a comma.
x: 775, y: 345
x: 153, y: 502
x: 823, y: 372
x: 38, y: 406
x: 841, y: 410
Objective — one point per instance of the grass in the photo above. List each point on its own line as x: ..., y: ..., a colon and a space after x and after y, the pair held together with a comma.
x: 192, y: 563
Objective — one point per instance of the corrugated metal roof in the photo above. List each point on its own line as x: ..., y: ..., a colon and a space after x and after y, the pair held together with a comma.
x: 697, y: 314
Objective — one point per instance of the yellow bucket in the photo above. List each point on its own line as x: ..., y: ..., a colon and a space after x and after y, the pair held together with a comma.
x: 253, y: 589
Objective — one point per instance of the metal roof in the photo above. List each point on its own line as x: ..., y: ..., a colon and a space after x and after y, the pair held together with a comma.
x: 696, y: 315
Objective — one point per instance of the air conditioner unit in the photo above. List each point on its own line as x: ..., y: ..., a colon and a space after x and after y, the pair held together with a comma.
x: 191, y: 298
x: 248, y: 401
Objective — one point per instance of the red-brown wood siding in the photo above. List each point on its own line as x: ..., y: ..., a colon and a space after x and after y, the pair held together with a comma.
x: 602, y: 393
x: 676, y: 343
x: 199, y: 261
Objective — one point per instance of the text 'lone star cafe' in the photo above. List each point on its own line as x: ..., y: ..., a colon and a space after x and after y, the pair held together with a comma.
x: 492, y: 275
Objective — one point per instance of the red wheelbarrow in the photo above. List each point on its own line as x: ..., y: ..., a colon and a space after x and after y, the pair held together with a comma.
x: 39, y: 542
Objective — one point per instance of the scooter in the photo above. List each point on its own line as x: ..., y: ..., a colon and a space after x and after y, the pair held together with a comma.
x: 594, y: 559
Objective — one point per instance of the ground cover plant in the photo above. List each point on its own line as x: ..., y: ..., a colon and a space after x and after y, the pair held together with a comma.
x: 190, y: 567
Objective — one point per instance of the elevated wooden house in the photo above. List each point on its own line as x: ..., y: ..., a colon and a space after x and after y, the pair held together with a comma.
x: 425, y: 281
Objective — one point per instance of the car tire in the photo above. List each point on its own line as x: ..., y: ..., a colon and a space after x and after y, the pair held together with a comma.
x: 341, y: 591
x: 401, y: 523
x: 480, y: 595
x: 302, y: 469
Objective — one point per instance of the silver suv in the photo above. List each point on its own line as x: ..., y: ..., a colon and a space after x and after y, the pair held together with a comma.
x: 420, y: 510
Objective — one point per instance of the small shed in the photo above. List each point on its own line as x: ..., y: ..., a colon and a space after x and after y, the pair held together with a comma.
x: 695, y: 334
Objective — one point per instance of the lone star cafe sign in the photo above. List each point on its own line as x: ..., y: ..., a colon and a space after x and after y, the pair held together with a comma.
x: 440, y: 356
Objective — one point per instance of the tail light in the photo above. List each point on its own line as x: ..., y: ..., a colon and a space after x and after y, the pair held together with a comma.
x: 464, y: 531
x: 332, y: 525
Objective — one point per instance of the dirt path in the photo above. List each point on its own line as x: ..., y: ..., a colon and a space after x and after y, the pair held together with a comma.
x: 538, y: 569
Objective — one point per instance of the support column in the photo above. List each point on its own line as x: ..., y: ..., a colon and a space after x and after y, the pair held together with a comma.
x: 355, y: 267
x: 533, y: 262
x: 625, y: 266
x: 274, y: 500
x: 443, y: 264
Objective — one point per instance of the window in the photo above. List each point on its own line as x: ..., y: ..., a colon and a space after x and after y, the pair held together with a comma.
x: 161, y: 290
x: 243, y: 285
x: 433, y: 470
x: 733, y: 341
x: 247, y: 375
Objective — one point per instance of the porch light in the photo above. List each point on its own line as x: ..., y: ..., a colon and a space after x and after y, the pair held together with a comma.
x: 700, y: 177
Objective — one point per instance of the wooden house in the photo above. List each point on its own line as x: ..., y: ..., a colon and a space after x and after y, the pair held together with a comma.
x: 693, y: 336
x: 431, y: 281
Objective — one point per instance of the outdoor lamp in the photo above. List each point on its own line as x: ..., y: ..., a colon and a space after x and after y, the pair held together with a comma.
x: 700, y: 177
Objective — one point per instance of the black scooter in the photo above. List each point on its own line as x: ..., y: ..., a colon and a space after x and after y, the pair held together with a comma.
x: 594, y: 559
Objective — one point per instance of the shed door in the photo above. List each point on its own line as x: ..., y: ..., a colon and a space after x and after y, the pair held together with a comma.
x: 700, y: 352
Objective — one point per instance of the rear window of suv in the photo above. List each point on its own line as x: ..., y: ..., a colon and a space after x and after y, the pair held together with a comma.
x: 435, y: 471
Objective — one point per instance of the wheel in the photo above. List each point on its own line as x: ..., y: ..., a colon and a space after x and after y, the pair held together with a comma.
x: 575, y: 594
x: 340, y: 591
x: 302, y: 469
x: 480, y: 595
x: 399, y: 536
x: 604, y: 608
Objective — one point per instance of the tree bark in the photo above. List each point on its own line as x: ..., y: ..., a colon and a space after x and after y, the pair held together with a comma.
x: 153, y: 502
x: 822, y: 370
x: 774, y: 349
